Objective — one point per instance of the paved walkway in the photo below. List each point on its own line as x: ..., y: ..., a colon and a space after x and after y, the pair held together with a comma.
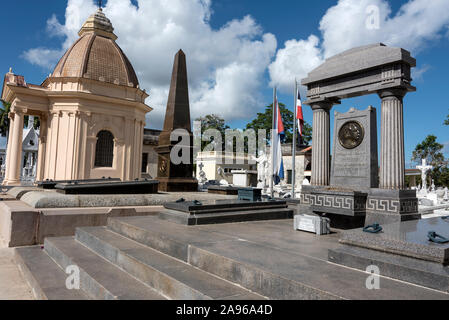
x: 12, y: 284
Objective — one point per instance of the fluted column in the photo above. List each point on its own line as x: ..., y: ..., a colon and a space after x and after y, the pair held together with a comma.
x: 42, y: 148
x: 14, y: 152
x: 392, y: 160
x: 321, y: 144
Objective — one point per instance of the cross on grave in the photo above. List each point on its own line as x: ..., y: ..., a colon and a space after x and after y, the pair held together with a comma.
x: 424, y: 168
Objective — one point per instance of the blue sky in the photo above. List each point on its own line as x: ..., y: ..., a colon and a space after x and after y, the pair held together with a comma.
x: 279, y: 21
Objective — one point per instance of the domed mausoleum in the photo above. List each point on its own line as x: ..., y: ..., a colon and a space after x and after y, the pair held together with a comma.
x: 91, y: 109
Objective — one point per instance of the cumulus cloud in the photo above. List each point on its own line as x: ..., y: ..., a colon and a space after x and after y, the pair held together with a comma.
x: 77, y: 12
x: 352, y: 23
x: 43, y: 57
x: 226, y: 66
x: 296, y: 59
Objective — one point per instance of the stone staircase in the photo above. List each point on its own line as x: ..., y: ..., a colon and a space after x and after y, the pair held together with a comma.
x: 114, y: 267
x: 150, y: 258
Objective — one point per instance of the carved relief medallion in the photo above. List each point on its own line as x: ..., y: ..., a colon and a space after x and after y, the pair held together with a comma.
x: 163, y: 167
x: 351, y: 135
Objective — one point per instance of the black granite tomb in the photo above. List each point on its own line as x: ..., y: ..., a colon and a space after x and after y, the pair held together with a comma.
x: 226, y: 190
x: 50, y: 184
x: 108, y: 187
x: 225, y: 211
x: 250, y: 194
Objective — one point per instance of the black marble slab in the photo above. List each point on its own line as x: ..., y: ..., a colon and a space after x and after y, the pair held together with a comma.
x: 215, y: 206
x: 50, y: 184
x: 227, y: 190
x: 407, y: 238
x: 234, y: 216
x: 250, y: 194
x: 108, y: 187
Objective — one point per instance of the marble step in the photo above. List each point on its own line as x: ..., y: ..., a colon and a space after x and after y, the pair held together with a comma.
x: 158, y: 234
x: 298, y: 276
x: 424, y: 273
x: 246, y: 254
x: 99, y: 278
x: 45, y: 277
x: 169, y: 276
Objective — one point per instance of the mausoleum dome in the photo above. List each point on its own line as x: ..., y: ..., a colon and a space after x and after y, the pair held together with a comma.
x: 96, y: 55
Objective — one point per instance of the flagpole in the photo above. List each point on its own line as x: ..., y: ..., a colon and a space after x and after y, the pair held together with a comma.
x: 272, y: 143
x: 295, y: 97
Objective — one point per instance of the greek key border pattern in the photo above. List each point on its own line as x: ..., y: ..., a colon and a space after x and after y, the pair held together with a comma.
x: 391, y: 205
x: 330, y: 201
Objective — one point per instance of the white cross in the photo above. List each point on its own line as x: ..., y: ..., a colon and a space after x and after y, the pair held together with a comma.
x: 424, y: 168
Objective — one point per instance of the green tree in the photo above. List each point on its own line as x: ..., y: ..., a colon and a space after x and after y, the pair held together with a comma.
x: 431, y: 150
x: 264, y: 121
x: 36, y: 122
x: 446, y: 122
x: 213, y: 121
x: 4, y: 118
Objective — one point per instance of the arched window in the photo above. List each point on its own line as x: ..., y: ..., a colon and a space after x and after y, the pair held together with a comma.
x: 104, y: 152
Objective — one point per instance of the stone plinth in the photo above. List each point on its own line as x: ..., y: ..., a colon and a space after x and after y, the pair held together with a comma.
x: 388, y: 206
x: 338, y: 201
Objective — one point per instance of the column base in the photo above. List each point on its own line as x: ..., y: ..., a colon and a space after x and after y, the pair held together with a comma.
x: 385, y: 206
x: 11, y: 183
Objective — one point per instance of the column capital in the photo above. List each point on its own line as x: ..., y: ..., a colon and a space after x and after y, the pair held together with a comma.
x: 322, y: 105
x: 43, y: 116
x: 16, y: 111
x: 398, y: 93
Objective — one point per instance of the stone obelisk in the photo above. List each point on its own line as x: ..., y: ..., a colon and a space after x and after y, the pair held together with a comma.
x: 173, y: 176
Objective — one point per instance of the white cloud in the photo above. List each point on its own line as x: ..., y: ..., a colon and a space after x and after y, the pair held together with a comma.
x: 344, y: 26
x: 446, y: 147
x: 418, y: 72
x: 225, y: 66
x: 43, y: 57
x: 296, y: 59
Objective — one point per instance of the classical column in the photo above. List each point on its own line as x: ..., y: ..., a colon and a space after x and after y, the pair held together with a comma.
x: 8, y: 154
x: 392, y: 163
x: 41, y: 152
x: 321, y: 144
x: 15, y: 149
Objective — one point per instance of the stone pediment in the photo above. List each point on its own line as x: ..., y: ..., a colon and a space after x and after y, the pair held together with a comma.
x: 360, y: 71
x: 359, y: 59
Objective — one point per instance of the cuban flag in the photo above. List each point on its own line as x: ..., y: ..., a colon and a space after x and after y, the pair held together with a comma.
x: 279, y: 135
x: 299, y: 115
